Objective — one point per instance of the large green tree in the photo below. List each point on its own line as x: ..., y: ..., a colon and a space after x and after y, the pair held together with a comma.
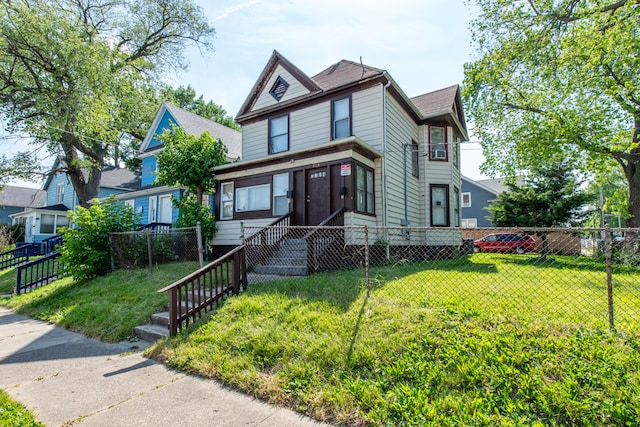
x: 78, y: 75
x: 558, y: 77
x: 550, y: 195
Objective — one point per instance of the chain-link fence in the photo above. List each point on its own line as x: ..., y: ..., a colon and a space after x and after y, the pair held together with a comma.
x: 146, y: 248
x: 584, y: 277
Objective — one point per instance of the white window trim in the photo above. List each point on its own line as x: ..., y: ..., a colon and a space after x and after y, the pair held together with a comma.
x: 153, y: 209
x: 223, y: 201
x: 60, y: 193
x: 466, y: 204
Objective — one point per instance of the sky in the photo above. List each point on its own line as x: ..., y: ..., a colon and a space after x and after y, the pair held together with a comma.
x: 423, y: 44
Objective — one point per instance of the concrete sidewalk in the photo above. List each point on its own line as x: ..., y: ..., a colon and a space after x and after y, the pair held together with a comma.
x: 67, y: 379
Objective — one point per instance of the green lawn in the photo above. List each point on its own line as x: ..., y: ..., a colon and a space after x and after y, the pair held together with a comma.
x: 107, y: 308
x: 488, y: 339
x: 13, y: 414
x: 428, y: 345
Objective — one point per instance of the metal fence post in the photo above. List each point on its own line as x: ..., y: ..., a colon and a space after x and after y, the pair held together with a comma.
x: 366, y: 257
x: 608, y: 256
x: 149, y: 252
x: 200, y: 249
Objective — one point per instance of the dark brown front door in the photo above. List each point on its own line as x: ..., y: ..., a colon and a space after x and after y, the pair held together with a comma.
x: 317, y: 196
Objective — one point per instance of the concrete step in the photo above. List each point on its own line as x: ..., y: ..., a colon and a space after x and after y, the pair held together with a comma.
x: 160, y: 319
x: 283, y: 270
x: 151, y: 333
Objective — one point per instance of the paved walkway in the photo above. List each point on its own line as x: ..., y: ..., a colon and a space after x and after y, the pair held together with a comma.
x: 67, y: 379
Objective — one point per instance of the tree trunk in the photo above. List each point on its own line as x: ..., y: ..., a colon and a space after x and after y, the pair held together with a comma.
x: 85, y: 181
x: 632, y: 172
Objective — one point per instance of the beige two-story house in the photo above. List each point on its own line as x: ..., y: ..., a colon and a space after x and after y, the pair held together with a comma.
x: 347, y: 139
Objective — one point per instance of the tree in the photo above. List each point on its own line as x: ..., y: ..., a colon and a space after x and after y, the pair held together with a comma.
x: 78, y: 75
x: 185, y: 97
x: 558, y: 77
x: 549, y: 196
x: 86, y: 251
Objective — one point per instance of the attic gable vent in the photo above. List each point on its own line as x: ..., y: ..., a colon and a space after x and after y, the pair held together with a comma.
x: 279, y: 88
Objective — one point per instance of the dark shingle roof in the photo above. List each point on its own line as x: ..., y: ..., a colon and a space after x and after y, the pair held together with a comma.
x: 22, y: 197
x: 120, y: 178
x: 194, y: 124
x: 439, y: 101
x: 344, y: 73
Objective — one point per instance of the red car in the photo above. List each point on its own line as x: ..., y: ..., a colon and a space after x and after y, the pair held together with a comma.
x: 505, y: 242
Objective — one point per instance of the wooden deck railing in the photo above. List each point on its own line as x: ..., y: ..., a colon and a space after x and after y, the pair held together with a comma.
x: 196, y: 294
x: 39, y: 272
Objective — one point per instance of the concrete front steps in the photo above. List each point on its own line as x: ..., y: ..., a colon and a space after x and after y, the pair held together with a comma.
x: 157, y: 329
x: 289, y: 260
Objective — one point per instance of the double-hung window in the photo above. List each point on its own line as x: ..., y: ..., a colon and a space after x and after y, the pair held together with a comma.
x: 456, y: 207
x: 364, y: 190
x: 60, y: 193
x: 415, y: 160
x: 226, y: 200
x: 280, y: 189
x: 341, y: 121
x: 279, y: 134
x: 439, y: 205
x: 437, y: 144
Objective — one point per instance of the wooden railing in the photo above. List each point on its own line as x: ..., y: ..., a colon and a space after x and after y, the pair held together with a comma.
x: 14, y: 257
x: 39, y: 272
x: 264, y: 243
x: 196, y: 294
x: 320, y: 240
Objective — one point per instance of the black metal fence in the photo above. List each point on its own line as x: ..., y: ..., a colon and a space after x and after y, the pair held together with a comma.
x: 34, y: 274
x: 588, y: 277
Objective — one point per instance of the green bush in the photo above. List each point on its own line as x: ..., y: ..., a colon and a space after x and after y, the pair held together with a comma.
x: 191, y: 212
x: 10, y: 234
x: 87, y: 250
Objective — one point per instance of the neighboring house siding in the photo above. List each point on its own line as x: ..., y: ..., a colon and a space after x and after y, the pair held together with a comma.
x: 69, y: 199
x: 141, y: 204
x: 106, y: 192
x: 5, y: 211
x: 294, y: 90
x: 148, y: 171
x: 480, y: 199
x: 165, y: 123
x: 367, y: 116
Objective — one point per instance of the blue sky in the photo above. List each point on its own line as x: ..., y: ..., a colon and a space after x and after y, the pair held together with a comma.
x: 423, y: 44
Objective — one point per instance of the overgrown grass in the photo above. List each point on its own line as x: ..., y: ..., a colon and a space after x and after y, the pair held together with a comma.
x: 427, y: 345
x: 13, y: 414
x: 107, y: 308
x: 7, y: 280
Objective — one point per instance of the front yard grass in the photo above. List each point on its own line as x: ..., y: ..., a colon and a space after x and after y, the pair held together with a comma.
x: 13, y: 414
x: 433, y: 343
x: 106, y: 308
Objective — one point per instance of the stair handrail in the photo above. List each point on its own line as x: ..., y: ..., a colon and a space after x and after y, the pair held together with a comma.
x: 333, y: 220
x: 283, y: 221
x: 196, y: 293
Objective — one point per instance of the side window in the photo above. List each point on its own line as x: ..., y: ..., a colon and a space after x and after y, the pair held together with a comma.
x: 456, y: 207
x: 466, y: 200
x: 279, y: 135
x: 341, y: 122
x: 439, y: 205
x: 365, y: 201
x: 60, y: 193
x: 415, y: 159
x: 226, y: 200
x: 280, y: 188
x: 437, y: 144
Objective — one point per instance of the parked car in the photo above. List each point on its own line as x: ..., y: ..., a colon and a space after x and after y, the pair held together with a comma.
x: 505, y: 242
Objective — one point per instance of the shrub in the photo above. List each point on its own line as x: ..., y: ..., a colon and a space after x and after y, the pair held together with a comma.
x: 87, y: 250
x: 191, y: 212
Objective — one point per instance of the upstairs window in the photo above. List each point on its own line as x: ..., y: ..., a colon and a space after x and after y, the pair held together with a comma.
x: 60, y: 193
x: 466, y: 200
x: 341, y: 127
x: 437, y: 144
x: 279, y: 135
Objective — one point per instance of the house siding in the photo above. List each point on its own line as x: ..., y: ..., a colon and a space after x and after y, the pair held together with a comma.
x: 69, y: 199
x: 480, y: 199
x: 148, y: 171
x: 367, y: 116
x: 294, y: 90
x: 229, y: 232
x: 165, y: 123
x: 310, y: 126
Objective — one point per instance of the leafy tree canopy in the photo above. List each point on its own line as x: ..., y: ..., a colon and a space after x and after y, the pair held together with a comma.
x: 185, y: 97
x: 188, y: 160
x: 558, y: 77
x: 78, y: 75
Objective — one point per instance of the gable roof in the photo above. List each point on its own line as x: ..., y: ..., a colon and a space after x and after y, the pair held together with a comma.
x: 22, y: 197
x: 494, y: 186
x: 194, y: 124
x: 442, y: 104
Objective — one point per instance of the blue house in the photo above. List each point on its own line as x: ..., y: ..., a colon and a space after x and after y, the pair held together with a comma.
x: 152, y: 202
x: 476, y: 196
x: 44, y: 219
